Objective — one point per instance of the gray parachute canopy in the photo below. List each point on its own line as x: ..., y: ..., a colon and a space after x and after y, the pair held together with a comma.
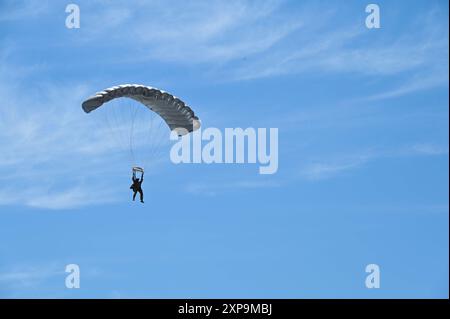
x: 175, y: 113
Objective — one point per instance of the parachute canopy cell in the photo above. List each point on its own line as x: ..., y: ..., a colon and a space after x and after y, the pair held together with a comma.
x: 177, y: 115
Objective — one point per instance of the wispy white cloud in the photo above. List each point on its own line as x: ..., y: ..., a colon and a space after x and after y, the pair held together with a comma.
x: 333, y: 51
x: 213, y: 188
x: 331, y: 168
x: 187, y: 32
x: 312, y: 170
x: 39, y: 279
x: 411, y: 62
x: 28, y: 277
x: 428, y: 149
x: 338, y: 164
x: 418, y: 82
x: 39, y: 195
x: 22, y: 9
x: 244, y: 40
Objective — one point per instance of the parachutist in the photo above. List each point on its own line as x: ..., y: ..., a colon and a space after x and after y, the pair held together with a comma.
x: 136, y: 186
x: 178, y: 116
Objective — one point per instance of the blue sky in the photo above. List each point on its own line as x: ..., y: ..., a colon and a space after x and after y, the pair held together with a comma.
x: 363, y: 150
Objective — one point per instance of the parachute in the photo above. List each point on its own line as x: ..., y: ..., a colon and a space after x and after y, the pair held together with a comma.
x: 176, y: 113
x: 129, y: 112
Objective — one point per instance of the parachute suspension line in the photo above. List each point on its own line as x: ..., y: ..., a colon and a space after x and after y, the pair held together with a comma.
x: 106, y: 120
x: 119, y: 124
x: 129, y: 110
x: 150, y: 137
x: 159, y: 141
x: 164, y: 147
x: 125, y: 111
x: 116, y: 123
x: 152, y: 130
x: 115, y: 135
x: 133, y: 119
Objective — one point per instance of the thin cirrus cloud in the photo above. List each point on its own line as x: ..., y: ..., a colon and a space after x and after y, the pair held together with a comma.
x: 213, y: 188
x: 419, y: 82
x: 318, y: 170
x: 339, y: 164
x: 46, y: 142
x: 19, y: 279
x: 225, y: 33
x: 186, y: 33
x: 246, y: 40
x: 29, y: 278
x: 22, y: 9
x: 331, y: 52
x: 325, y: 170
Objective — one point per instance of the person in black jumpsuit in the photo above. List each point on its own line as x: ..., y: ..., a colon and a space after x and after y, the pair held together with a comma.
x: 136, y: 186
